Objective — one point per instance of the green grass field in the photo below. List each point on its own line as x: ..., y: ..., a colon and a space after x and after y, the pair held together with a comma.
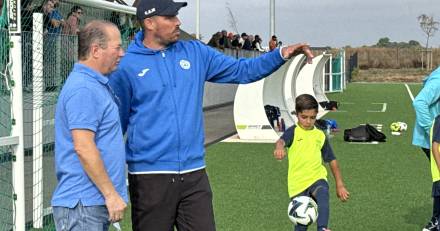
x: 390, y: 183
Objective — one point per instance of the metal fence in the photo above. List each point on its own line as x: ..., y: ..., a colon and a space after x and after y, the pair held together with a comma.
x: 7, y: 200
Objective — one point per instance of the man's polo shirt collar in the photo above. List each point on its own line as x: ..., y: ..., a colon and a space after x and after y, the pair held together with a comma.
x: 81, y: 68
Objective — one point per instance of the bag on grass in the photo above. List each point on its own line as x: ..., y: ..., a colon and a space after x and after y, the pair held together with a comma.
x: 375, y: 134
x: 363, y: 133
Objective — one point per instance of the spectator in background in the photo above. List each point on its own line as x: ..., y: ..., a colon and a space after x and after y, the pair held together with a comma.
x: 224, y: 41
x: 124, y: 23
x: 246, y: 42
x: 56, y: 20
x: 273, y: 43
x: 236, y: 42
x: 230, y: 37
x: 241, y: 39
x: 47, y: 8
x: 52, y: 23
x: 68, y: 42
x: 256, y: 44
x: 52, y: 44
x: 251, y: 39
x: 73, y: 21
x: 215, y: 40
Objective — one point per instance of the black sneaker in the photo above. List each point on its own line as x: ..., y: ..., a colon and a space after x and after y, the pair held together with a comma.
x: 433, y: 225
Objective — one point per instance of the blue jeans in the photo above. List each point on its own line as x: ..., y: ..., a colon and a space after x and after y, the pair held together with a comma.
x: 81, y: 218
x: 319, y: 192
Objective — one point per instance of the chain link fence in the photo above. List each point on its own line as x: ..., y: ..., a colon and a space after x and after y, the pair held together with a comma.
x: 5, y: 93
x: 47, y: 62
x: 6, y: 190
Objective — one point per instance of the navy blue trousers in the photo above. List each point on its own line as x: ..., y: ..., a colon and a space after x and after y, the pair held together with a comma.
x: 319, y: 191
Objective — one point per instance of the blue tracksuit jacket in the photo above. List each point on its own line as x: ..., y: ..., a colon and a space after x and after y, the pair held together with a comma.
x: 427, y: 107
x: 161, y: 98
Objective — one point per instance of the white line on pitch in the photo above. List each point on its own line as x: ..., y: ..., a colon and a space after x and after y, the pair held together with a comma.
x: 372, y: 142
x: 409, y: 92
x: 384, y: 107
x: 378, y: 126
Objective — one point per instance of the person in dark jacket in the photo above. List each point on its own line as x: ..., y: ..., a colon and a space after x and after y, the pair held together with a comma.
x: 215, y: 40
x: 162, y: 75
x: 247, y: 45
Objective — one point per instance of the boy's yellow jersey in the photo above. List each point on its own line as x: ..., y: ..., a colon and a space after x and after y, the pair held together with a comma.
x: 307, y: 152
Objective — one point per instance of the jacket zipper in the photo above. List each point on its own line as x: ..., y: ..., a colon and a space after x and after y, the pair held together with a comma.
x: 175, y: 109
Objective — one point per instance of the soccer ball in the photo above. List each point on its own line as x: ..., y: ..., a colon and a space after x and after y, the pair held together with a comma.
x: 403, y: 126
x: 302, y: 210
x: 395, y: 127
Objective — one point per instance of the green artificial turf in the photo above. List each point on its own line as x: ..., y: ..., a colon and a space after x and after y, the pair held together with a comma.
x: 390, y: 182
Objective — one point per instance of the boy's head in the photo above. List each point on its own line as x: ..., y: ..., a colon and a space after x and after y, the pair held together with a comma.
x: 306, y: 108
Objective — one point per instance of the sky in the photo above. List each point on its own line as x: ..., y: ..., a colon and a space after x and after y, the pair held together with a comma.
x: 335, y: 23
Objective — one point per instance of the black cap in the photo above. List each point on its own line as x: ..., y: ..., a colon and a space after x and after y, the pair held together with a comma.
x: 149, y: 8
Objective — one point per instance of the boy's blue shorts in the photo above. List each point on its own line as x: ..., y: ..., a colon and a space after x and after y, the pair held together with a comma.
x: 436, y: 189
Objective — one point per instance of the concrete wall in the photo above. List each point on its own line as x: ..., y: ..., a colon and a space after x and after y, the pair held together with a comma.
x: 217, y: 94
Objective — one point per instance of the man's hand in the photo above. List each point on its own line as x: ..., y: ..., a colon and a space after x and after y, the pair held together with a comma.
x: 300, y: 48
x: 115, y: 206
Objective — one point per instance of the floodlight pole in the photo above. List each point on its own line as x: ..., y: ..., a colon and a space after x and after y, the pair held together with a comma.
x: 198, y: 19
x: 272, y: 18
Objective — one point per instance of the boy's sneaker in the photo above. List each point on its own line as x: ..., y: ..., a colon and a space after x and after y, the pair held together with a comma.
x: 433, y: 225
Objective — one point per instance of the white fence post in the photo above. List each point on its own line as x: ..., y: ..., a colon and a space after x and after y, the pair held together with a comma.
x: 343, y: 77
x: 14, y: 24
x: 37, y: 121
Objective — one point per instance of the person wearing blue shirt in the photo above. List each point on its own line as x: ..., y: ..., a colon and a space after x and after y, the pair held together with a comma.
x: 56, y: 20
x: 89, y: 146
x: 160, y: 83
x: 427, y: 107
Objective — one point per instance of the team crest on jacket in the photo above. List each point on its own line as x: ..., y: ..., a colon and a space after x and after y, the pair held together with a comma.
x: 185, y: 64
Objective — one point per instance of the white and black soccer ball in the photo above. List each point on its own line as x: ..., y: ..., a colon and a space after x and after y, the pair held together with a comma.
x: 302, y: 210
x: 403, y: 126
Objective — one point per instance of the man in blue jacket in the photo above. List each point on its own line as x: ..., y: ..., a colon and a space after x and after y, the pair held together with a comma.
x: 160, y: 75
x: 427, y: 107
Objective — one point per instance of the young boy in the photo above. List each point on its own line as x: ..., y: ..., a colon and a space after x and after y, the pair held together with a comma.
x: 434, y: 225
x: 307, y: 148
